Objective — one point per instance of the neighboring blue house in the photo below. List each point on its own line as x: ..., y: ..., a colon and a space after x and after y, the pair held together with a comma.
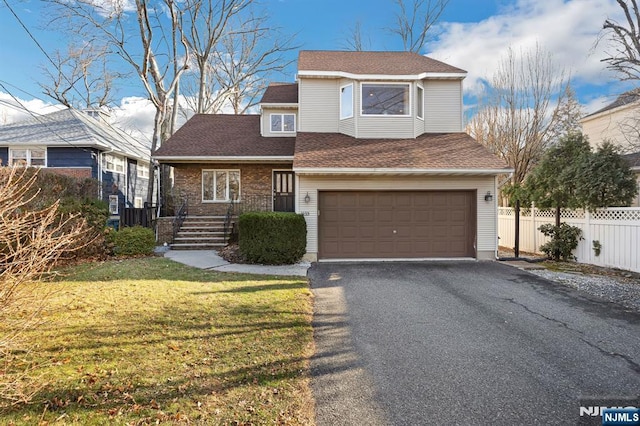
x: 84, y: 145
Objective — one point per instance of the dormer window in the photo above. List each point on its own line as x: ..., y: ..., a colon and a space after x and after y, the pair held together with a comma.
x: 385, y: 99
x: 283, y: 123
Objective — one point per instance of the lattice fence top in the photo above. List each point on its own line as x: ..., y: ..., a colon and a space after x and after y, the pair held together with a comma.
x: 612, y: 213
x: 616, y: 214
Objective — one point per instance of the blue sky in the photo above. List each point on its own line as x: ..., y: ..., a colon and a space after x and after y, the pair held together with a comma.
x: 472, y: 35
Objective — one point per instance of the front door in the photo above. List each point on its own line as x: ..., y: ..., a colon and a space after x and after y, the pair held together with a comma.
x: 283, y: 190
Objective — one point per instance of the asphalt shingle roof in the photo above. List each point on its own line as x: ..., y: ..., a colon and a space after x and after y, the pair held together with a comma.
x: 70, y: 127
x: 387, y: 63
x: 224, y: 135
x: 278, y: 93
x: 633, y: 159
x: 428, y: 151
x: 624, y: 99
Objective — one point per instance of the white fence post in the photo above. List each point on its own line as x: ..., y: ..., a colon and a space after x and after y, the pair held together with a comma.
x: 535, y: 228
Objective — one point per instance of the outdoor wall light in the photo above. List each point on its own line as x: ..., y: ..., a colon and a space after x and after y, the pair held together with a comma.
x: 307, y: 198
x: 488, y: 197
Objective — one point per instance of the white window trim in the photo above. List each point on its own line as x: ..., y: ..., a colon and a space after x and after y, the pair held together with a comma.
x: 386, y: 83
x: 137, y: 201
x: 420, y: 87
x: 28, y: 150
x: 352, y: 101
x: 114, y: 157
x: 226, y: 200
x: 142, y: 170
x: 295, y: 124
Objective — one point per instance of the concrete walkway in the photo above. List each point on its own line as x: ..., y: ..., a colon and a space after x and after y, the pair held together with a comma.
x: 209, y: 259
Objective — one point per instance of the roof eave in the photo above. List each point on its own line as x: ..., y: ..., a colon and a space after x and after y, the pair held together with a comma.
x: 353, y: 76
x: 284, y: 105
x: 606, y: 112
x: 397, y: 171
x: 224, y: 159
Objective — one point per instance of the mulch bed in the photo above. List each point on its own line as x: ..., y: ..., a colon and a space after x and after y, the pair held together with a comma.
x: 231, y: 254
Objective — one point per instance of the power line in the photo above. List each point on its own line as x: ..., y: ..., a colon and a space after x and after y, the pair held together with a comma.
x: 72, y: 85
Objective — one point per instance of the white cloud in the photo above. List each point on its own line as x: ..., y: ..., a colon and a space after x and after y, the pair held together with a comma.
x: 567, y: 29
x: 12, y: 111
x: 134, y: 115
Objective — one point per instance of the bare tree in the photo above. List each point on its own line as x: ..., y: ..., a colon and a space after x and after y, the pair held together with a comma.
x: 208, y: 22
x: 414, y: 21
x: 566, y: 116
x: 624, y: 59
x: 239, y: 66
x: 516, y: 119
x: 355, y: 40
x: 158, y: 53
x: 80, y: 77
x: 31, y: 242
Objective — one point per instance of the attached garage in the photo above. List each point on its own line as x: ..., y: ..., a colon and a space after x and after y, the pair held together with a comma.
x: 396, y: 224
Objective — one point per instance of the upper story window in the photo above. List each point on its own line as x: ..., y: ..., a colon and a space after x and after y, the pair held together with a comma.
x: 385, y: 99
x: 143, y: 170
x: 346, y: 101
x: 112, y: 163
x: 420, y: 102
x: 35, y: 157
x: 283, y: 123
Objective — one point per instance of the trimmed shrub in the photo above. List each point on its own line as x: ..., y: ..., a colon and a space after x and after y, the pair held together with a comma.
x: 133, y: 241
x: 564, y: 239
x: 272, y: 238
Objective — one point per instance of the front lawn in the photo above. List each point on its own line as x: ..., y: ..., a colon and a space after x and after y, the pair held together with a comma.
x: 147, y: 341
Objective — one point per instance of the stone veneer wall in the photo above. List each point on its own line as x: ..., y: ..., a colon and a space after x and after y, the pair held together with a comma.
x: 256, y: 181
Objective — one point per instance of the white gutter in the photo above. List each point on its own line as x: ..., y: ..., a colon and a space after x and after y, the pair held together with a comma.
x: 398, y: 171
x: 421, y: 76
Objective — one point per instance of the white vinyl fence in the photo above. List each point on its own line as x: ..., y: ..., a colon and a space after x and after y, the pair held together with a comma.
x: 616, y: 229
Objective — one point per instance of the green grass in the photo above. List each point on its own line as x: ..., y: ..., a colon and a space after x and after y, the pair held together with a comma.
x: 149, y: 340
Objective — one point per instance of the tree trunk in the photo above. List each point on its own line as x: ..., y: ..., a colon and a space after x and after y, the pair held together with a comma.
x: 557, y: 215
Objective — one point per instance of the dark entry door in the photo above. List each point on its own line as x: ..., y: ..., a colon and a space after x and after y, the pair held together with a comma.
x: 283, y: 191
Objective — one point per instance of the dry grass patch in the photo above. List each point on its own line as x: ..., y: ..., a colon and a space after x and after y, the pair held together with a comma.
x: 148, y: 341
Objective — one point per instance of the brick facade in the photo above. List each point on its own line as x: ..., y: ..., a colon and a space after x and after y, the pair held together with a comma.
x: 164, y: 228
x: 75, y: 172
x: 256, y: 186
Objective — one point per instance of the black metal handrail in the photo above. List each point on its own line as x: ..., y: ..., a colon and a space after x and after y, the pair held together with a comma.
x: 178, y: 220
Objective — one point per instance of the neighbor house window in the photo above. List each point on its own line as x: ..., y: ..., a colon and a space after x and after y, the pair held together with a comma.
x: 112, y: 163
x: 143, y: 170
x: 385, y: 99
x: 220, y: 185
x: 35, y: 157
x: 346, y: 101
x: 420, y: 102
x: 113, y: 204
x: 283, y: 123
x: 138, y: 203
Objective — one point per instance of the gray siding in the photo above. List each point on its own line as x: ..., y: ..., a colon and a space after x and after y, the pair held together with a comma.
x: 319, y: 107
x: 136, y: 186
x: 443, y: 106
x: 385, y: 127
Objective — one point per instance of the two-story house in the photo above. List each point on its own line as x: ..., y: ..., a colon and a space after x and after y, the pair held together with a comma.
x: 368, y: 146
x: 618, y: 123
x: 81, y: 144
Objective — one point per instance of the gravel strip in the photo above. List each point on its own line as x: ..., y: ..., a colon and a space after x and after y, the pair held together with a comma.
x: 612, y: 289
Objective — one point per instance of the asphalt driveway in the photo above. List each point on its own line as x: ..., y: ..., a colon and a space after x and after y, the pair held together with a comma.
x: 464, y: 343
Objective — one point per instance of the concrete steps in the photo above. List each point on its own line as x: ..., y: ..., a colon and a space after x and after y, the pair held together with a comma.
x: 200, y: 233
